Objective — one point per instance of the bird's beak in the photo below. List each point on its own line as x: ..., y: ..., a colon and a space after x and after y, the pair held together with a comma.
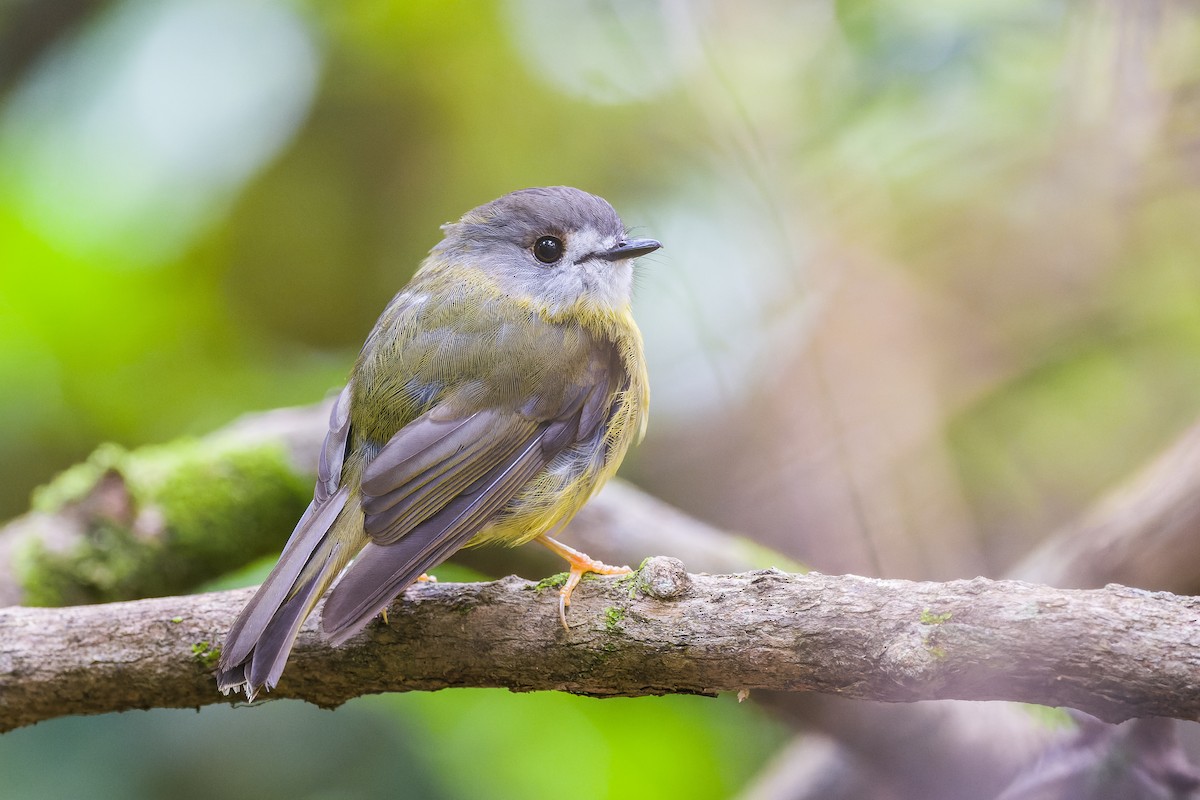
x: 631, y: 248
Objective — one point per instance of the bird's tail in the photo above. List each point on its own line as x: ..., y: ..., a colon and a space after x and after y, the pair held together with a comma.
x: 258, y: 644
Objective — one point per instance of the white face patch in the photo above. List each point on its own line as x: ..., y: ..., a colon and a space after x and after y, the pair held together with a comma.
x: 587, y: 241
x: 584, y: 276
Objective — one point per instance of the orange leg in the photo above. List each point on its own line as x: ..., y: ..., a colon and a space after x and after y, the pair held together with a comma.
x: 580, y: 563
x: 422, y: 578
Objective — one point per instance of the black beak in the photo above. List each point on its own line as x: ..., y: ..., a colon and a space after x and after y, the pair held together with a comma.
x: 629, y: 249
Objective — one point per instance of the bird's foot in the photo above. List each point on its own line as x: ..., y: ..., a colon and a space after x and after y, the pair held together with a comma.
x: 581, y: 563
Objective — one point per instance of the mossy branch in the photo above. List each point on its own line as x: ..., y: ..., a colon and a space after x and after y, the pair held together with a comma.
x: 1116, y: 653
x: 164, y: 519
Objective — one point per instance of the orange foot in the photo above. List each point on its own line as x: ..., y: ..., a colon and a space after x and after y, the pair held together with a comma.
x: 422, y: 578
x: 580, y: 563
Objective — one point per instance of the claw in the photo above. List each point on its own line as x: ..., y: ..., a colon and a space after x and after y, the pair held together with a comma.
x: 422, y: 578
x: 581, y: 563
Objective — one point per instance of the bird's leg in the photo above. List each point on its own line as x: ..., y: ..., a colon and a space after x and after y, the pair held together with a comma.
x: 580, y: 563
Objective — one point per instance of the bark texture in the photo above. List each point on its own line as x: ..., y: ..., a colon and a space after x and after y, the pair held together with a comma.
x: 1116, y: 653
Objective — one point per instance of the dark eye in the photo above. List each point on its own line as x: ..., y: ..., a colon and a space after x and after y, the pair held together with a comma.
x: 548, y: 249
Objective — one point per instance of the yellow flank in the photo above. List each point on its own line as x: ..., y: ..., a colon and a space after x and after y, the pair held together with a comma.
x: 555, y: 495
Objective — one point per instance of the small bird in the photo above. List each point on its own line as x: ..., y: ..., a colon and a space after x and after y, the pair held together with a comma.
x: 496, y: 394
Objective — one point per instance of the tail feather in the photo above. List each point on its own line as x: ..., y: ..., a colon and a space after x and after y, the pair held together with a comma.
x: 306, y: 538
x: 261, y: 638
x: 275, y: 643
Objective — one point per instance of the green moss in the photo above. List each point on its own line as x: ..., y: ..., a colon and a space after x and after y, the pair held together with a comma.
x: 613, y: 616
x: 931, y: 645
x: 77, y: 482
x: 221, y: 507
x: 176, y: 620
x: 206, y: 654
x: 160, y: 520
x: 929, y: 618
x: 556, y: 581
x: 632, y: 582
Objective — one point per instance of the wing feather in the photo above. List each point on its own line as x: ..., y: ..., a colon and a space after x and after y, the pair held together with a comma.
x: 419, y: 445
x: 382, y: 571
x: 411, y: 490
x: 333, y: 451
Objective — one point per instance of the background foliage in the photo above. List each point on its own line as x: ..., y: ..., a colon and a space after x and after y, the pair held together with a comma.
x: 930, y: 285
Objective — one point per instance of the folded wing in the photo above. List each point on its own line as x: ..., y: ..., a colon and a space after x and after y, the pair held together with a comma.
x: 441, y: 478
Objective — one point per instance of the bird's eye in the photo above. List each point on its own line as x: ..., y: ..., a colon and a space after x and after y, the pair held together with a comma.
x: 548, y: 249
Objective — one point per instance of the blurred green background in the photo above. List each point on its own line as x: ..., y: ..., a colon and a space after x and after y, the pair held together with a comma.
x: 930, y: 284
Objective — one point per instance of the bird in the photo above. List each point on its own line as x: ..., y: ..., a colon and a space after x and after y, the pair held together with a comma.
x: 496, y: 393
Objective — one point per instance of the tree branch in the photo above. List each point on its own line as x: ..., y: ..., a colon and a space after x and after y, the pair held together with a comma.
x: 164, y: 518
x: 1116, y: 653
x: 1144, y: 533
x: 981, y: 745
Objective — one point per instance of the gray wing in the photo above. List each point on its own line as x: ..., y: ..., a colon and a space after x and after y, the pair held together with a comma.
x: 380, y: 572
x: 436, y: 484
x: 431, y: 461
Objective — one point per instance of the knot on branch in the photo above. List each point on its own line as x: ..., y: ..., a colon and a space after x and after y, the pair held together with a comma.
x: 665, y: 578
